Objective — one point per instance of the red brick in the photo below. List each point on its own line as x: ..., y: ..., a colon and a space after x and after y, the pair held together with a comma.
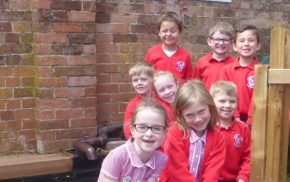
x: 45, y: 115
x: 51, y: 60
x: 51, y: 103
x: 46, y: 135
x: 7, y: 115
x: 42, y: 49
x: 24, y: 114
x: 89, y: 5
x: 5, y: 27
x: 13, y: 104
x: 66, y: 5
x: 107, y: 88
x: 21, y: 27
x: 12, y: 125
x: 83, y: 102
x: 81, y: 16
x: 28, y: 124
x: 83, y: 122
x: 20, y: 4
x: 28, y: 103
x: 108, y: 108
x: 69, y: 92
x: 89, y: 49
x: 13, y: 82
x: 90, y: 91
x: 26, y: 135
x: 53, y: 124
x: 114, y: 28
x: 82, y: 81
x: 41, y: 4
x: 66, y: 27
x: 50, y: 38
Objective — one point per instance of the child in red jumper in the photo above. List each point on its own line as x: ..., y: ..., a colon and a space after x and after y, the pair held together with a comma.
x: 142, y: 77
x: 237, y: 134
x: 241, y: 72
x: 166, y: 86
x: 168, y: 55
x: 195, y: 148
x: 208, y: 67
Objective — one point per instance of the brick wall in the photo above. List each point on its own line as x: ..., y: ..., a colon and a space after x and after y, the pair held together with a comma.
x: 64, y: 63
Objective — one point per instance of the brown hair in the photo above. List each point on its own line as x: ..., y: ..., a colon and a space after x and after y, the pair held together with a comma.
x: 252, y: 28
x: 224, y: 28
x: 150, y: 105
x: 223, y: 86
x: 194, y: 92
x: 171, y: 17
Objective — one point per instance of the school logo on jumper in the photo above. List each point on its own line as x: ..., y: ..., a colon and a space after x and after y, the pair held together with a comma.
x: 250, y: 81
x: 127, y: 179
x: 180, y: 65
x: 237, y: 140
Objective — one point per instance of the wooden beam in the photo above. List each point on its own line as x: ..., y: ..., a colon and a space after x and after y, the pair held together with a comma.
x: 26, y: 165
x: 276, y: 168
x: 279, y: 76
x: 258, y: 146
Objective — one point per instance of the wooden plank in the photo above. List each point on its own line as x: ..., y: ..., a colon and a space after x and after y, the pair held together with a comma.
x: 258, y: 146
x: 279, y: 76
x: 25, y: 165
x: 275, y: 167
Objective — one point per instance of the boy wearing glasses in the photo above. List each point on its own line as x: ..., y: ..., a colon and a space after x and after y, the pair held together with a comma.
x: 207, y: 68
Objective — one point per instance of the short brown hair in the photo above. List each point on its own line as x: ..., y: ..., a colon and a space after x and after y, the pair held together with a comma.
x: 224, y: 28
x: 171, y: 17
x: 229, y: 88
x: 252, y: 28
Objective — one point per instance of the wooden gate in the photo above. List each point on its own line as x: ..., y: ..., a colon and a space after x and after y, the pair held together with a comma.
x: 270, y: 128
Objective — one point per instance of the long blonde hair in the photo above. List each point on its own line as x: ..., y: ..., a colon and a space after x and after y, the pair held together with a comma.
x: 194, y: 92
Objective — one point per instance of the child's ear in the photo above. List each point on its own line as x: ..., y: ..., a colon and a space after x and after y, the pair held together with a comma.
x: 234, y: 47
x: 208, y: 41
x: 258, y: 46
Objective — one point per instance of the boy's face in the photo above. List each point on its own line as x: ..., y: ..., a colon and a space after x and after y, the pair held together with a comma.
x: 142, y: 84
x: 169, y: 33
x: 246, y: 44
x: 220, y: 43
x: 226, y: 105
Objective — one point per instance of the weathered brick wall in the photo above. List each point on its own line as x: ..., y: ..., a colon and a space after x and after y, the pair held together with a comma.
x: 126, y: 29
x: 64, y: 63
x: 47, y: 73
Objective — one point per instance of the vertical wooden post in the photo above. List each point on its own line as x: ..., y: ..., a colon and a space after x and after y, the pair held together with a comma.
x: 276, y: 150
x: 258, y: 146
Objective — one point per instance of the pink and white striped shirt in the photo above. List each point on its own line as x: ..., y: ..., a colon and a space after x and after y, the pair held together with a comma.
x: 196, y: 153
x: 124, y: 165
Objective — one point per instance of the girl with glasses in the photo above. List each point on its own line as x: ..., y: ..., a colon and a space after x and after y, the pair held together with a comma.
x: 139, y: 158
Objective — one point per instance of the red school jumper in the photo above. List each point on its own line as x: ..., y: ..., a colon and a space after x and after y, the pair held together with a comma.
x: 176, y: 147
x: 208, y: 69
x: 243, y: 77
x: 238, y: 150
x: 130, y: 109
x: 169, y: 109
x: 179, y: 63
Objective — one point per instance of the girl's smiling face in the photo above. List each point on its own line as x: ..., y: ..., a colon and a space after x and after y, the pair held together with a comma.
x: 166, y: 88
x: 197, y: 117
x: 148, y: 131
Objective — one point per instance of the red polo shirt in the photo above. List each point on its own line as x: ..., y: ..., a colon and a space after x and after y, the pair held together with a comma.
x: 179, y: 63
x: 208, y: 69
x: 238, y: 149
x: 243, y: 77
